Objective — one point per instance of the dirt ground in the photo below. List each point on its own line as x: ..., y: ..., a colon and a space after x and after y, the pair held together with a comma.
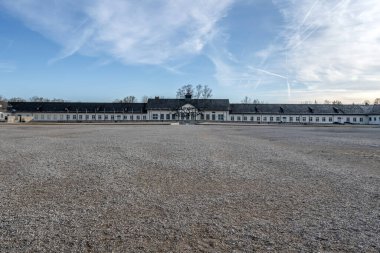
x: 81, y: 188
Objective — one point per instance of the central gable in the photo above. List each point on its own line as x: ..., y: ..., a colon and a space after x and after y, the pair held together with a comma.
x: 188, y: 106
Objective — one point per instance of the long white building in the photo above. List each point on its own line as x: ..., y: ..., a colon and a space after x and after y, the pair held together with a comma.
x: 188, y: 109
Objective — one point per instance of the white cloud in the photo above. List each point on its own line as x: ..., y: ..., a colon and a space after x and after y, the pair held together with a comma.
x: 133, y: 32
x: 326, y: 49
x: 333, y: 44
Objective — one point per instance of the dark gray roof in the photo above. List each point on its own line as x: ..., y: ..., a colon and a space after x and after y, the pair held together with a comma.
x: 76, y: 107
x: 200, y: 104
x: 298, y: 109
x: 375, y: 109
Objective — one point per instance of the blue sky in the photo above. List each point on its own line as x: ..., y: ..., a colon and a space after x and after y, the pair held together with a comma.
x: 276, y: 51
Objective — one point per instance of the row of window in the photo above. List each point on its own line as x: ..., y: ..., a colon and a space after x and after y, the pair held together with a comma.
x: 183, y: 116
x: 219, y: 117
x: 294, y: 119
x: 88, y: 117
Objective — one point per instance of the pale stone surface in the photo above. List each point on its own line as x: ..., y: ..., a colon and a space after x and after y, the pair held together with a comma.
x: 189, y: 188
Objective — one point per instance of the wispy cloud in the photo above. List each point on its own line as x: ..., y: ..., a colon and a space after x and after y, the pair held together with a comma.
x: 323, y: 47
x: 133, y: 32
x: 333, y: 45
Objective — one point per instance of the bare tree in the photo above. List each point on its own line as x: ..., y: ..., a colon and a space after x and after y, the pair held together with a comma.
x: 38, y: 99
x: 366, y: 102
x: 57, y: 100
x: 246, y: 100
x: 336, y: 102
x: 144, y: 99
x: 130, y: 99
x: 257, y: 101
x: 186, y: 89
x: 327, y: 102
x: 206, y: 92
x: 377, y: 101
x: 2, y: 99
x: 198, y: 91
x: 17, y: 99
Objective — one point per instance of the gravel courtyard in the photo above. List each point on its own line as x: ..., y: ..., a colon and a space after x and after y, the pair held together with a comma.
x: 119, y: 188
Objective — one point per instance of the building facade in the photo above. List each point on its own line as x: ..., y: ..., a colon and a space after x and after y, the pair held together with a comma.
x: 189, y: 109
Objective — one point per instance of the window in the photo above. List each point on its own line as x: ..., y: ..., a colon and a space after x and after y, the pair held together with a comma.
x: 173, y: 116
x: 61, y: 116
x: 67, y: 117
x: 112, y: 117
x: 202, y: 116
x: 284, y: 119
x: 155, y: 116
x: 317, y: 119
x: 323, y: 119
x: 264, y: 118
x: 213, y: 116
x: 168, y: 116
x: 87, y: 117
x: 297, y: 119
x: 311, y: 119
x: 99, y: 117
x: 220, y: 117
x: 370, y: 118
x: 74, y: 117
x: 35, y: 117
x: 162, y: 116
x: 258, y: 118
x: 270, y: 119
x: 238, y: 118
x: 348, y: 119
x: 118, y: 117
x: 105, y: 117
x: 232, y: 118
x: 93, y: 117
x: 125, y: 117
x: 277, y: 118
x: 361, y: 119
x: 131, y: 117
x: 291, y: 119
x: 252, y: 118
x: 303, y: 119
x: 354, y: 119
x: 144, y: 117
x: 245, y: 118
x: 80, y: 117
x: 207, y: 116
x: 330, y: 119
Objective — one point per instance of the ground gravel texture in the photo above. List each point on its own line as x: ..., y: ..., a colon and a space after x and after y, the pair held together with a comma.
x: 190, y: 188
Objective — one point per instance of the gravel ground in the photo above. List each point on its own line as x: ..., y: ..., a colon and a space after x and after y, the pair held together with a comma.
x: 189, y: 189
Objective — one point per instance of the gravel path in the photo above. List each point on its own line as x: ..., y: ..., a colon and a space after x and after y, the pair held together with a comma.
x: 189, y: 189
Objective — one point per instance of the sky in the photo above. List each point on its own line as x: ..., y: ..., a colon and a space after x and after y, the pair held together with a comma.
x: 279, y: 51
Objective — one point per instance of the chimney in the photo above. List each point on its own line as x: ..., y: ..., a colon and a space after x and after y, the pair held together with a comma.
x: 188, y: 96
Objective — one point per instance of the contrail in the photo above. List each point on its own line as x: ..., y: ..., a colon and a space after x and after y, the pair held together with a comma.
x: 270, y: 73
x: 276, y: 75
